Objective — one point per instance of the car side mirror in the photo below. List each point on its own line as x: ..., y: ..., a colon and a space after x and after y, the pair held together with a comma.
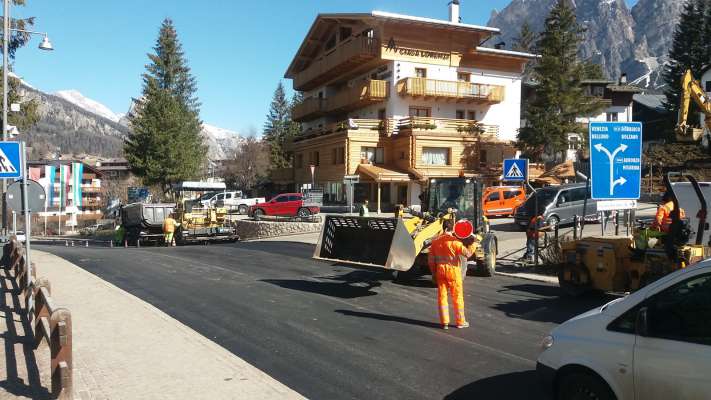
x: 642, y: 323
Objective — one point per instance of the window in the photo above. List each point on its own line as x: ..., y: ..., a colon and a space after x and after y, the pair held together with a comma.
x: 316, y: 159
x: 282, y: 199
x: 345, y: 33
x: 612, y: 116
x: 510, y: 194
x: 464, y: 76
x: 460, y: 114
x: 573, y: 142
x: 421, y: 72
x: 493, y: 197
x: 299, y: 160
x: 682, y: 312
x: 337, y: 155
x: 435, y: 155
x: 420, y: 111
x: 482, y: 156
x: 294, y: 198
x: 374, y: 155
x: 471, y: 115
x: 708, y: 86
x: 598, y: 91
x: 402, y: 155
x: 334, y: 156
x: 382, y: 114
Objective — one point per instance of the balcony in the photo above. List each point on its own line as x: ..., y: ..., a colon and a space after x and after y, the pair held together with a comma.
x: 370, y: 92
x: 449, y: 126
x: 337, y: 61
x: 461, y: 92
x: 309, y: 108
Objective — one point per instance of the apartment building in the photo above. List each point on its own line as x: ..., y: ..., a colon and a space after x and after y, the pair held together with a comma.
x: 400, y: 100
x: 71, y: 188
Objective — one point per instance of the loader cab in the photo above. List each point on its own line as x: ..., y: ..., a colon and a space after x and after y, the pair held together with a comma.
x: 460, y: 194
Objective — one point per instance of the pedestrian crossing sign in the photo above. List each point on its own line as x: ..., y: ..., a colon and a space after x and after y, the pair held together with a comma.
x: 516, y: 170
x: 10, y: 160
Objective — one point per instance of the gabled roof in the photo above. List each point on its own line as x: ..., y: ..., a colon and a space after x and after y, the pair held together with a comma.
x: 323, y: 22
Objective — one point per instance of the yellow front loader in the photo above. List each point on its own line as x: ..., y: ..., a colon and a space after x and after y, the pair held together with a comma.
x: 691, y: 90
x: 400, y: 243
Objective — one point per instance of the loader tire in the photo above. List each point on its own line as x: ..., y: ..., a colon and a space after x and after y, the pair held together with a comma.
x: 490, y: 263
x: 578, y: 281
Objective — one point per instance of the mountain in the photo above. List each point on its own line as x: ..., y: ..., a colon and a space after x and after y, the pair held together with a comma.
x: 71, y: 123
x: 622, y: 40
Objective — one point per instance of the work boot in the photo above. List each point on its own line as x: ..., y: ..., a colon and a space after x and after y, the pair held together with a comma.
x: 464, y: 325
x: 445, y: 326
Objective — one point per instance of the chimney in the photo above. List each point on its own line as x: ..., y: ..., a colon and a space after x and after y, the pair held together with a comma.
x: 623, y: 79
x: 454, y: 12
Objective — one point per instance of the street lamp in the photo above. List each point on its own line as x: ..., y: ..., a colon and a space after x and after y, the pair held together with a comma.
x: 45, y: 45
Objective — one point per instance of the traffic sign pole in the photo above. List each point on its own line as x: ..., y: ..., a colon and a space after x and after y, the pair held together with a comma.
x: 28, y: 227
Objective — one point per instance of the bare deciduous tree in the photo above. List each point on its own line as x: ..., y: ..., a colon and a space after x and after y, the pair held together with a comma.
x: 250, y: 163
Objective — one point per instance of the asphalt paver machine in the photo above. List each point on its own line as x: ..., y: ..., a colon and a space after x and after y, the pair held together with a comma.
x: 198, y: 222
x: 400, y: 244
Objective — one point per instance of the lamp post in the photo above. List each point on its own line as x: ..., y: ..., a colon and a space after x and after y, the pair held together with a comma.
x: 45, y: 45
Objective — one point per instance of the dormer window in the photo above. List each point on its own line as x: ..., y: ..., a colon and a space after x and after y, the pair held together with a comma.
x: 345, y: 32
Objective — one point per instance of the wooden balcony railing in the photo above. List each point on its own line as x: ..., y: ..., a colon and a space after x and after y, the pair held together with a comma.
x: 338, y: 60
x: 309, y: 108
x: 369, y: 92
x: 460, y: 91
x: 363, y: 94
x: 447, y: 125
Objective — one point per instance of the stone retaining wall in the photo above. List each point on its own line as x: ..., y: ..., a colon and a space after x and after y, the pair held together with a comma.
x: 248, y: 230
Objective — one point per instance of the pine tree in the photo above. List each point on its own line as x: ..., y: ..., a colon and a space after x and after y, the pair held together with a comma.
x: 560, y: 98
x: 165, y: 145
x: 526, y: 38
x: 279, y: 128
x: 689, y: 50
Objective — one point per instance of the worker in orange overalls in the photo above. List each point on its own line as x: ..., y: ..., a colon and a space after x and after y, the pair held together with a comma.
x: 169, y: 225
x: 444, y: 261
x: 533, y: 232
x: 662, y: 221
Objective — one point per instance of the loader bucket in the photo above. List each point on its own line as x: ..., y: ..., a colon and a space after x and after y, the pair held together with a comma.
x: 375, y: 242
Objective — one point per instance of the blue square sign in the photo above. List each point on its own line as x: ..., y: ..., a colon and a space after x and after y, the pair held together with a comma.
x: 10, y: 160
x: 516, y: 170
x: 615, y: 160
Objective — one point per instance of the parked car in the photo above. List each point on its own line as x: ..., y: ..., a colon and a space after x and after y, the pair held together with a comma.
x: 287, y: 204
x: 233, y: 200
x: 20, y: 235
x: 653, y: 344
x: 557, y: 205
x: 502, y: 200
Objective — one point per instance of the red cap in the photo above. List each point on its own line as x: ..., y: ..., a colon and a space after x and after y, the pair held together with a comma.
x: 463, y: 229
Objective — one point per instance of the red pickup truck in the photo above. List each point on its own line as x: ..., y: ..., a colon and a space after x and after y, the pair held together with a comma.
x: 286, y: 204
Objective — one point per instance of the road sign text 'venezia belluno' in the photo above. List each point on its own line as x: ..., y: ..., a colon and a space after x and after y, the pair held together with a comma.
x: 615, y: 160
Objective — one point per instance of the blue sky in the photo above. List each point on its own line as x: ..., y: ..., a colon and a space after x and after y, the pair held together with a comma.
x: 238, y: 49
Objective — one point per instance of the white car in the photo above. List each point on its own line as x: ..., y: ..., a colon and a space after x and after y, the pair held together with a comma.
x: 654, y: 344
x: 232, y: 200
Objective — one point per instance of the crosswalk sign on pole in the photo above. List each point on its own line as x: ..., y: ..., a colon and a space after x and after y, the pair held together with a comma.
x: 10, y: 165
x: 516, y: 170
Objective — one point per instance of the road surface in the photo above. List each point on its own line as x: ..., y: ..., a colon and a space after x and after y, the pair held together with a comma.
x: 336, y: 332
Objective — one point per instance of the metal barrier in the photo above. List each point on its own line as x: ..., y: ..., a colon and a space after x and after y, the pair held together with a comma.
x: 52, y: 324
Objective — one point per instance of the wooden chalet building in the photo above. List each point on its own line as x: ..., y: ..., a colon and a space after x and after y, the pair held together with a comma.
x: 400, y: 100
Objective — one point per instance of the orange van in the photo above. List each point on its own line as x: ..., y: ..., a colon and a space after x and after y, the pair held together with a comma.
x: 502, y: 200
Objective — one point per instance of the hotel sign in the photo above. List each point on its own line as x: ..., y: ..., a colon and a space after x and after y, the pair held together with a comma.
x: 394, y: 52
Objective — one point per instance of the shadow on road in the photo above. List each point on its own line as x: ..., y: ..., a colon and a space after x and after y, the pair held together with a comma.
x: 386, y: 317
x: 342, y: 290
x: 547, y: 303
x: 516, y: 385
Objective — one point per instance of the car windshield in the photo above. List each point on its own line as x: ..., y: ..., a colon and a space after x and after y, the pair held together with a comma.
x: 544, y: 196
x: 207, y: 196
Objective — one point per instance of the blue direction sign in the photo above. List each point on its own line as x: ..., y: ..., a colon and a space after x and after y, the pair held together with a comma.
x: 10, y: 160
x: 516, y: 169
x: 615, y: 160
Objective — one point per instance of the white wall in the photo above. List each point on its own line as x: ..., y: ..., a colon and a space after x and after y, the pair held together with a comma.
x: 624, y: 114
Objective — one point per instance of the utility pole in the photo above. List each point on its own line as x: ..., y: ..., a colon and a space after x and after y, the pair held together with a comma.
x: 5, y: 66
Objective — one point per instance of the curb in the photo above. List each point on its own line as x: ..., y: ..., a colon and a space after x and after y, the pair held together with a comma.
x: 528, y: 277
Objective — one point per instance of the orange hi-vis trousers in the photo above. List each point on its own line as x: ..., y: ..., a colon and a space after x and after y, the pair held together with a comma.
x: 449, y: 280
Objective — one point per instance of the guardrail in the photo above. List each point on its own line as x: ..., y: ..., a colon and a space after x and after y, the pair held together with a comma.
x: 52, y: 323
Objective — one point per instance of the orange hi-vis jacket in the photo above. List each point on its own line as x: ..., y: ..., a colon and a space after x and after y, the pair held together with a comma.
x: 534, y: 225
x: 446, y: 250
x: 169, y: 225
x: 444, y: 259
x: 662, y: 221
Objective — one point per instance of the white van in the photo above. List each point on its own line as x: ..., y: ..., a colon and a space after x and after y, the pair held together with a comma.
x: 654, y: 344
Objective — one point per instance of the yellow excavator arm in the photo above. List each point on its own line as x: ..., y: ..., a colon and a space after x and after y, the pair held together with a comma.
x: 691, y: 90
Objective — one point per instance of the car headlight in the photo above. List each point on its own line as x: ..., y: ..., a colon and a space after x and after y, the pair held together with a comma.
x: 547, y: 342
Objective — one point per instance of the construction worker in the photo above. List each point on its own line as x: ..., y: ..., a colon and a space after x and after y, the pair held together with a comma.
x: 169, y: 225
x: 363, y: 212
x: 662, y: 221
x: 444, y: 261
x: 535, y: 225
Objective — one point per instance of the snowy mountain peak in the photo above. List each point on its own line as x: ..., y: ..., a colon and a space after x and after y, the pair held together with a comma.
x: 93, y: 106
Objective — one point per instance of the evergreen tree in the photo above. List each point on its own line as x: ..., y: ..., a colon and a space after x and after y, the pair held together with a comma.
x: 690, y: 50
x: 279, y: 128
x: 165, y: 145
x: 559, y: 95
x: 526, y: 38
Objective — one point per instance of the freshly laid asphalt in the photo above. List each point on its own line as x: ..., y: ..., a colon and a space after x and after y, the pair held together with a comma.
x: 337, y: 332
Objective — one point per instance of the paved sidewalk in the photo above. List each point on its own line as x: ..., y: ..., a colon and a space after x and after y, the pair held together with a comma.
x: 124, y: 348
